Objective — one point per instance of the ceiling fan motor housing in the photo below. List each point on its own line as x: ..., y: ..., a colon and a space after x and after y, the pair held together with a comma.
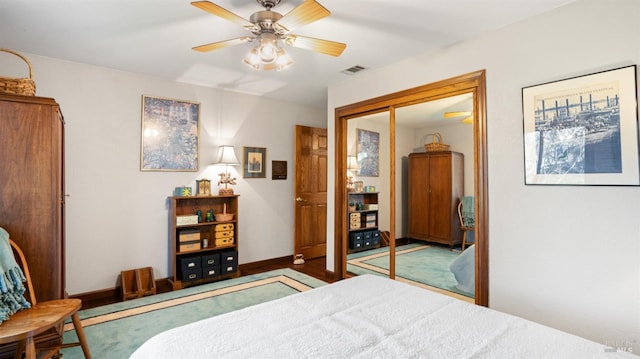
x: 268, y: 3
x: 265, y: 20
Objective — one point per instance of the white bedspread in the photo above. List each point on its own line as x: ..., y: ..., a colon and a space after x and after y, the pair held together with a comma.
x: 368, y: 317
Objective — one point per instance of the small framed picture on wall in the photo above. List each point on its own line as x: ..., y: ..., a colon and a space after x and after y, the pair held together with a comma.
x: 254, y: 162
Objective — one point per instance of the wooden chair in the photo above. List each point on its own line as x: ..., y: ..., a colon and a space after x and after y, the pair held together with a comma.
x: 464, y: 226
x: 23, y: 326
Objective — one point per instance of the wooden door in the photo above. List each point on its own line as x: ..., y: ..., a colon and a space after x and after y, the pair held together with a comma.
x: 310, y: 192
x: 439, y: 203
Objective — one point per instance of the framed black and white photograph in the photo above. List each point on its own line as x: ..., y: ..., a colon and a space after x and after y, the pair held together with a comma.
x: 582, y: 130
x: 254, y: 162
x: 169, y: 135
x: 368, y: 152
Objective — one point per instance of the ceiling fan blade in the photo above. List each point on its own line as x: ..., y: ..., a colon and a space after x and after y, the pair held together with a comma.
x: 451, y: 114
x: 309, y: 43
x: 305, y: 13
x: 223, y: 44
x: 214, y: 9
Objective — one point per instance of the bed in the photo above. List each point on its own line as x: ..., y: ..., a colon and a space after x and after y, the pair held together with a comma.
x: 368, y: 317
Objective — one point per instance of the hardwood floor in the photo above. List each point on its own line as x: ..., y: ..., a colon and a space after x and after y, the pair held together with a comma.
x: 312, y: 267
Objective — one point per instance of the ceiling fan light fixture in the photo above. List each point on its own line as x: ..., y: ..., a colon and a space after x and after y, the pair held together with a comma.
x: 284, y: 61
x: 252, y: 59
x: 268, y: 47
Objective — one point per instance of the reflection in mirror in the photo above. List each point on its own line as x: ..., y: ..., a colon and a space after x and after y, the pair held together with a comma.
x: 430, y: 185
x: 368, y: 140
x: 421, y: 257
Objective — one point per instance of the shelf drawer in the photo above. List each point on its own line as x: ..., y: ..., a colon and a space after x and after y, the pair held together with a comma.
x: 355, y: 243
x: 229, y: 258
x: 224, y: 234
x: 229, y: 268
x: 211, y: 260
x: 189, y: 246
x: 222, y: 242
x: 189, y: 263
x: 209, y: 272
x: 191, y: 274
x: 224, y: 227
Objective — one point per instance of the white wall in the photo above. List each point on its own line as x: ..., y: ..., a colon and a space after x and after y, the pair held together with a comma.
x: 116, y: 215
x: 565, y: 256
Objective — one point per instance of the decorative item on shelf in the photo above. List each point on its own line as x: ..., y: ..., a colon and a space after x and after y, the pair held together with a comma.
x: 182, y: 191
x: 436, y: 144
x: 18, y: 86
x: 358, y: 186
x: 189, y: 240
x: 227, y: 157
x: 224, y: 216
x: 210, y: 215
x: 352, y: 165
x: 203, y: 187
x: 352, y: 206
x: 199, y: 214
x: 186, y: 220
x: 354, y: 220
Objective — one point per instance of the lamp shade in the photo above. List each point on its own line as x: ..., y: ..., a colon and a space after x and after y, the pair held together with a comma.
x: 352, y: 163
x: 226, y: 156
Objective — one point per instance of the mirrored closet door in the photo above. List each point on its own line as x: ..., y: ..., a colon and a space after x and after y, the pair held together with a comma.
x: 380, y: 136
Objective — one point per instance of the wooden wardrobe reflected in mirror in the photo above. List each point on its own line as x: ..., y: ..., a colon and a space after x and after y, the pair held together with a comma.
x: 472, y: 83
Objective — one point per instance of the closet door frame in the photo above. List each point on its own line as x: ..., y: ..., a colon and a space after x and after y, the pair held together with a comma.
x: 475, y: 83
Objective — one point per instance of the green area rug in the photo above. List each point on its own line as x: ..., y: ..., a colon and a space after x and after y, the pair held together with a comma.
x: 117, y: 330
x: 415, y: 262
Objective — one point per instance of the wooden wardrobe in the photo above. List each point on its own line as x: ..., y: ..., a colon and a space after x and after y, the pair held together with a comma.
x: 436, y: 184
x: 32, y: 192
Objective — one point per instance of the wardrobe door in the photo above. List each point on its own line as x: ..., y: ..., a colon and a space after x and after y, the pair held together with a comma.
x: 418, y: 196
x: 31, y: 187
x: 440, y: 198
x: 31, y: 194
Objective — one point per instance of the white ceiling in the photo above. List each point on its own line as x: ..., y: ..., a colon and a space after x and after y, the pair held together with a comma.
x: 155, y: 37
x: 429, y: 113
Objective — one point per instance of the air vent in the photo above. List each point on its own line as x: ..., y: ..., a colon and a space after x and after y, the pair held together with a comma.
x: 352, y: 70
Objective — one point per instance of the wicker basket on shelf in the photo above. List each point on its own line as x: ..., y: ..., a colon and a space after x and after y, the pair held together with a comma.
x: 223, y: 217
x: 436, y: 144
x: 18, y: 86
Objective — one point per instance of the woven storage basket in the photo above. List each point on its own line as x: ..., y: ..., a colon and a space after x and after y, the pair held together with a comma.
x: 18, y: 86
x: 436, y: 144
x: 223, y: 217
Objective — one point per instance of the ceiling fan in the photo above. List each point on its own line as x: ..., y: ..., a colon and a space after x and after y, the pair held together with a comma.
x: 468, y: 116
x: 270, y: 30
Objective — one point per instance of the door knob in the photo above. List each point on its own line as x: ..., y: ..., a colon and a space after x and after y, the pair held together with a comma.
x: 300, y: 199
